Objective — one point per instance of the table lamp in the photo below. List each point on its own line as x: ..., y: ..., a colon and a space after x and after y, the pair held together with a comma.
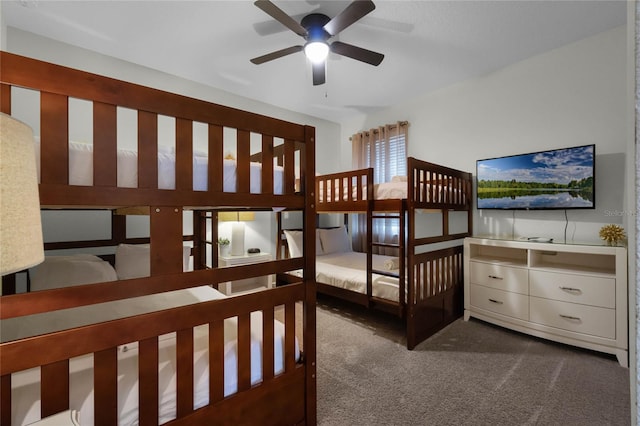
x: 21, y: 245
x: 237, y: 229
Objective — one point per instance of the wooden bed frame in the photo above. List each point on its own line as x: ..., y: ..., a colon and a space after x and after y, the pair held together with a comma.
x: 434, y: 294
x: 287, y: 398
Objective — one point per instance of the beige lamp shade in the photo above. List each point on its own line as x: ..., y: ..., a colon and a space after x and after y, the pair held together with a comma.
x: 21, y: 244
x: 236, y: 216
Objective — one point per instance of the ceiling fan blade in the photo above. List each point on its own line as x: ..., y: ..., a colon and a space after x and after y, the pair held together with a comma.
x: 277, y: 54
x: 318, y: 73
x: 276, y: 13
x: 271, y: 26
x: 357, y: 53
x: 356, y: 10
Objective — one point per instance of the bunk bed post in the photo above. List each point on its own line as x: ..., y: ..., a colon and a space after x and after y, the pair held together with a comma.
x: 369, y: 250
x: 402, y: 255
x: 166, y: 240
x: 307, y: 175
x: 410, y: 254
x: 279, y: 236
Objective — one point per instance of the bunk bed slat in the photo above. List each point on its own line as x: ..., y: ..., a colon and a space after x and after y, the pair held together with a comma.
x: 54, y: 138
x: 244, y: 351
x: 289, y: 336
x: 5, y: 98
x: 54, y: 389
x: 5, y: 400
x: 267, y: 164
x: 147, y: 150
x: 148, y: 376
x: 216, y: 174
x: 166, y: 250
x: 184, y: 154
x: 289, y: 166
x: 216, y: 361
x: 267, y: 341
x: 106, y: 386
x: 243, y: 149
x: 104, y: 145
x: 184, y: 371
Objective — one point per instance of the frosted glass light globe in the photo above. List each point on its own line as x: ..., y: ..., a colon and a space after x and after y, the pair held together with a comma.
x: 316, y: 51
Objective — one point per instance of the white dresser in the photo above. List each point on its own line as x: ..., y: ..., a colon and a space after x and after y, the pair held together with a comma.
x: 573, y: 294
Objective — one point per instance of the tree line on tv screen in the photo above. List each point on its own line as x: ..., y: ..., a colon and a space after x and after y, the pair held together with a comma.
x: 585, y: 184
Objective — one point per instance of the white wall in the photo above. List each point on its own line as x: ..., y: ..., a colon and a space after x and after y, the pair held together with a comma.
x: 574, y: 95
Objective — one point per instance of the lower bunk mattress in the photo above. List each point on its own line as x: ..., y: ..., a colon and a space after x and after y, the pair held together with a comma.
x: 26, y: 384
x: 348, y: 270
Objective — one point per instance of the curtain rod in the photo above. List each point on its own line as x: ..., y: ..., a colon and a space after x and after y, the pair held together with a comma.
x: 391, y: 126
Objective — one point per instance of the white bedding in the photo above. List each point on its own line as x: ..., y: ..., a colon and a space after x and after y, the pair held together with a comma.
x: 348, y: 270
x: 26, y: 387
x: 81, y: 170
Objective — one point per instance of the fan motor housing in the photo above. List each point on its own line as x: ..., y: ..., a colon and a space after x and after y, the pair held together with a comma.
x: 314, y: 24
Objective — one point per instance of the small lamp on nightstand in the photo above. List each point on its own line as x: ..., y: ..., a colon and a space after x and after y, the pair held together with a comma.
x: 237, y: 229
x: 21, y: 244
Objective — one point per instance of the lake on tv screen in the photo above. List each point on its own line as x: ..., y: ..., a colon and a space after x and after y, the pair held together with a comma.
x: 532, y: 199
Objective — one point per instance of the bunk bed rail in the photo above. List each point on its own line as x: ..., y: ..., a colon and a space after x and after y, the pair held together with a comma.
x: 196, y: 179
x: 439, y: 187
x: 105, y: 345
x: 345, y: 191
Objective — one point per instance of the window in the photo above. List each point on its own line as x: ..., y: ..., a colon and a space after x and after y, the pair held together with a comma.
x: 384, y: 149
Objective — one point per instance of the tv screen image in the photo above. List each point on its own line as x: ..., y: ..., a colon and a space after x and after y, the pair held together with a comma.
x: 554, y: 179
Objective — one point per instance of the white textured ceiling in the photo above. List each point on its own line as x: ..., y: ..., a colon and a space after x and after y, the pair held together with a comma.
x: 427, y: 44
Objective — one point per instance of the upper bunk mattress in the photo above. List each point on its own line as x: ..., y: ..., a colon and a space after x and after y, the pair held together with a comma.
x: 81, y: 170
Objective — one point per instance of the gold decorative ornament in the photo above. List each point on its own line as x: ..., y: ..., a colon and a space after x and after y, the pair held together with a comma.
x: 612, y: 234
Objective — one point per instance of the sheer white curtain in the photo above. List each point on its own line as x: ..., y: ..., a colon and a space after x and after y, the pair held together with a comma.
x: 384, y: 149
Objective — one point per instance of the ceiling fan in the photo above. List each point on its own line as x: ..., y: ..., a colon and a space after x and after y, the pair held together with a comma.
x: 317, y: 29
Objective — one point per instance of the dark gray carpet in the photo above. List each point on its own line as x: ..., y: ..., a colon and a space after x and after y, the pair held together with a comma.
x: 470, y: 373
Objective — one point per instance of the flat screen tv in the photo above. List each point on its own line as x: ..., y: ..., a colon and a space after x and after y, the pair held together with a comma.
x: 555, y: 179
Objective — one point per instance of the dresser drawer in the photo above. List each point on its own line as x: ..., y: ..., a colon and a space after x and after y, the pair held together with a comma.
x: 584, y: 319
x: 502, y: 302
x: 574, y: 288
x: 500, y: 277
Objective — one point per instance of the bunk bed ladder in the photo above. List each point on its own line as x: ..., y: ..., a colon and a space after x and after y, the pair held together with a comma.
x: 399, y: 245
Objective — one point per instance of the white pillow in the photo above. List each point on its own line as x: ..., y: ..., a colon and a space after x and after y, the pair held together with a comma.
x: 186, y: 257
x: 67, y: 271
x: 133, y: 261
x: 335, y: 240
x: 294, y: 240
x: 399, y: 179
x: 319, y: 249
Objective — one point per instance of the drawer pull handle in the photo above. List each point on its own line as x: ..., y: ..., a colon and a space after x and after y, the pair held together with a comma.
x: 495, y: 277
x: 574, y: 290
x: 496, y: 301
x: 569, y: 317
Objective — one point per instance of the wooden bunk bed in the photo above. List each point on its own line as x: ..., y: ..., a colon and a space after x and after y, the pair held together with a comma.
x: 433, y: 294
x: 284, y: 391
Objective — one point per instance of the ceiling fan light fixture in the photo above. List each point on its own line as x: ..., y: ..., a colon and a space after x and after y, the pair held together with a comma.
x: 316, y: 51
